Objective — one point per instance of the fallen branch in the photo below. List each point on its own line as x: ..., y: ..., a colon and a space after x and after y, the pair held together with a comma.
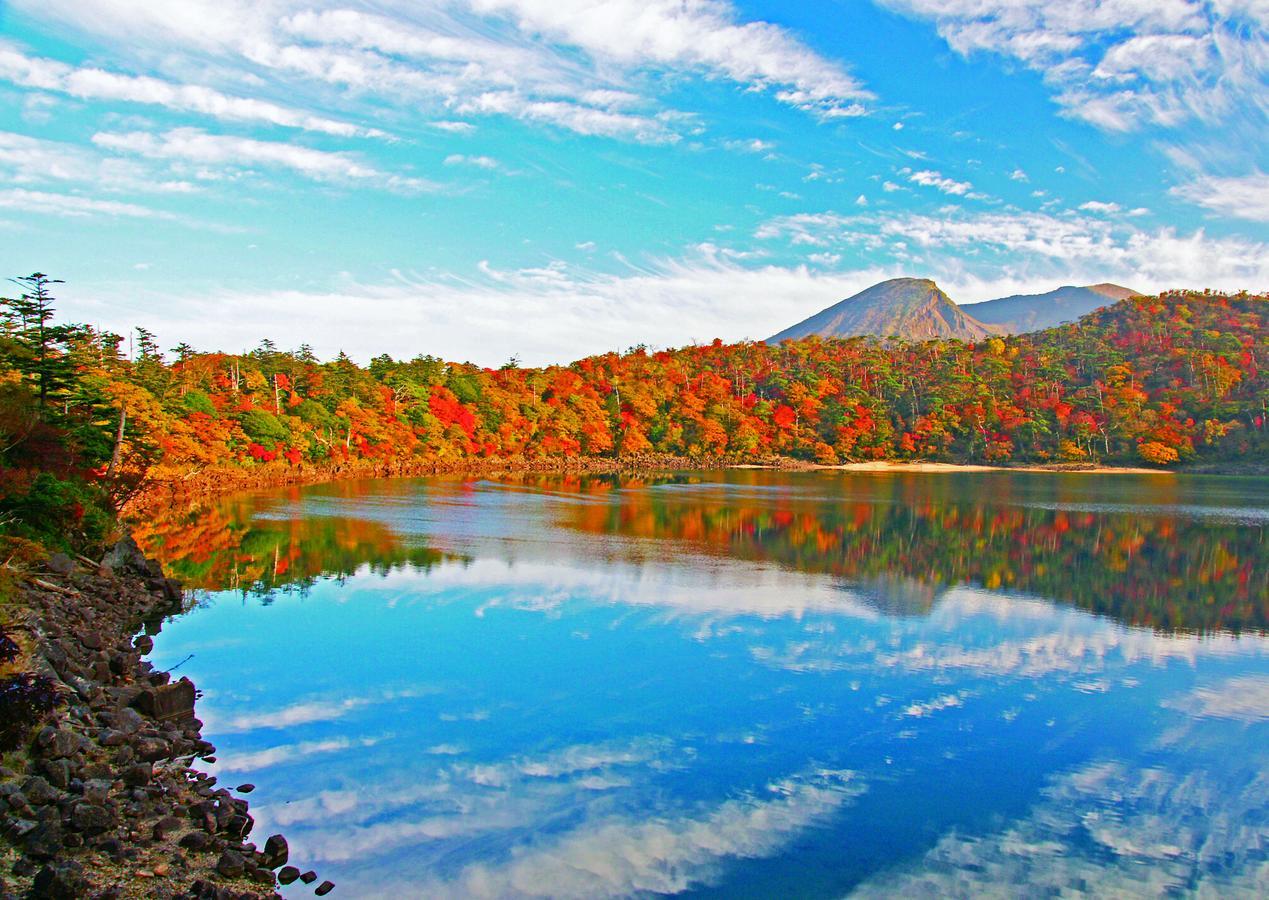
x: 55, y: 588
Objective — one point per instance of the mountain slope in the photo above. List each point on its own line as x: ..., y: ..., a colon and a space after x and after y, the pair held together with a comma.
x: 1031, y: 312
x: 911, y: 308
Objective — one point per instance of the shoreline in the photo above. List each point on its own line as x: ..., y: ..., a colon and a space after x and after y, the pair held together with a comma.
x: 189, y: 488
x: 1052, y: 468
x: 105, y: 801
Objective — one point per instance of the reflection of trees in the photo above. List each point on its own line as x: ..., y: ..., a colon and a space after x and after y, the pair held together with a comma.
x: 898, y: 541
x: 1168, y: 572
x: 224, y: 545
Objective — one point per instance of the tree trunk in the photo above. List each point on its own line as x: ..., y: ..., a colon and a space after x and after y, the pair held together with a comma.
x: 117, y: 455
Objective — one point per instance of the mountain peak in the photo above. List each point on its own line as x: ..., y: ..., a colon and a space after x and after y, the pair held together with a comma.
x: 911, y: 308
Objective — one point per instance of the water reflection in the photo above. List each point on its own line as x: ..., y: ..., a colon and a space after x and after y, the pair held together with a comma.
x: 747, y: 686
x: 1138, y: 551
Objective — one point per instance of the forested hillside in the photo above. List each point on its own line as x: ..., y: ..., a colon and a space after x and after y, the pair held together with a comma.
x: 1160, y: 380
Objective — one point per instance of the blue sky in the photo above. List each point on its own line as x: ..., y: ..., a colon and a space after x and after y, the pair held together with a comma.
x: 479, y: 179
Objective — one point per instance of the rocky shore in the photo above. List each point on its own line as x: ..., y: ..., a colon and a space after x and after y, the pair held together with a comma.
x: 105, y: 802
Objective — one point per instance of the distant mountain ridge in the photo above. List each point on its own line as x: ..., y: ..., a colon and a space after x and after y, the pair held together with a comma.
x: 1033, y: 312
x: 917, y: 309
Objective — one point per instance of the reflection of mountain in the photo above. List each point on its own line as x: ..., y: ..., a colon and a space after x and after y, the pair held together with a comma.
x: 226, y: 545
x: 897, y: 595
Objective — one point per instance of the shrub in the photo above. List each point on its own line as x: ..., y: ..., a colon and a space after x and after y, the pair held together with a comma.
x: 25, y: 699
x: 197, y: 401
x: 264, y: 428
x: 61, y: 514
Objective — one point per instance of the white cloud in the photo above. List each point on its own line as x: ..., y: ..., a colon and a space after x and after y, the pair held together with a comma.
x: 479, y: 162
x: 928, y: 178
x: 752, y: 145
x: 54, y: 204
x: 1015, y: 246
x: 699, y: 33
x: 1018, y: 175
x: 546, y: 314
x: 1245, y: 197
x: 88, y: 83
x: 1121, y: 64
x: 1098, y: 206
x: 576, y: 65
x: 28, y: 160
x: 194, y: 146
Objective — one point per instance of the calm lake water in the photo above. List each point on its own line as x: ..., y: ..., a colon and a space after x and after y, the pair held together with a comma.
x: 742, y: 684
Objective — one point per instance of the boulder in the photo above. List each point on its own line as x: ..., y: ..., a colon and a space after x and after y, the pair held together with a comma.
x: 91, y: 819
x: 60, y: 564
x: 324, y: 888
x: 276, y: 851
x: 288, y: 874
x: 231, y: 864
x: 60, y: 880
x: 168, y: 702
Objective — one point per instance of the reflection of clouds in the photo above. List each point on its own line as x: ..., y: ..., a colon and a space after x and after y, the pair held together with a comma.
x: 1037, y: 639
x: 271, y: 756
x: 1245, y: 699
x: 305, y: 711
x: 738, y: 588
x: 1112, y: 829
x: 459, y: 787
x: 920, y: 710
x: 619, y: 856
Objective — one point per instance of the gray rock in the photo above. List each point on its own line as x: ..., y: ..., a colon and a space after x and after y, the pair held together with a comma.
x: 125, y: 557
x: 38, y: 791
x: 167, y: 702
x: 96, y: 790
x: 276, y: 851
x: 288, y: 874
x: 60, y: 564
x: 166, y: 827
x: 309, y: 877
x: 138, y: 774
x: 60, y: 880
x: 231, y: 864
x: 58, y: 773
x: 195, y: 840
x: 64, y: 743
x: 44, y: 841
x: 90, y: 818
x: 324, y: 888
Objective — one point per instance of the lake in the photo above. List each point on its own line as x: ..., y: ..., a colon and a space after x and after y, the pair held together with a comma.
x: 741, y: 684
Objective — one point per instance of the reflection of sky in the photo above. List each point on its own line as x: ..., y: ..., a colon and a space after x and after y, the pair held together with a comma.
x: 554, y: 718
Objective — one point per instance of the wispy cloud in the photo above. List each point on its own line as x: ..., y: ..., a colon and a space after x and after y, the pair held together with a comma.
x: 195, y: 146
x: 1243, y: 197
x: 574, y: 65
x: 56, y: 204
x: 89, y: 83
